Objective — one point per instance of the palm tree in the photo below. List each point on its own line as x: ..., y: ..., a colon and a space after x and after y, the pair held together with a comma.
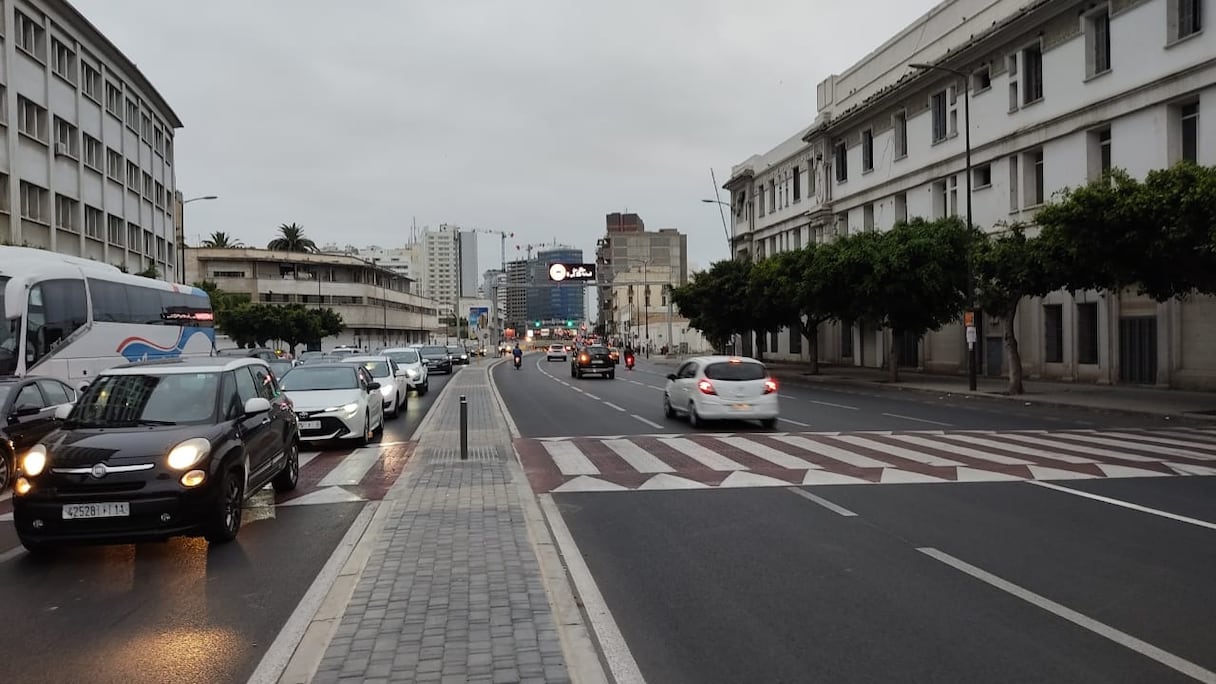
x: 222, y: 240
x: 291, y: 239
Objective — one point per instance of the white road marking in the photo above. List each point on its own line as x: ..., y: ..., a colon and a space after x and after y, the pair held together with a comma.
x: 918, y: 420
x: 641, y: 460
x: 839, y: 406
x: 837, y: 453
x: 839, y: 510
x: 1127, y: 504
x: 616, y: 652
x: 763, y: 451
x: 569, y: 459
x: 701, y: 454
x: 11, y: 554
x: 1124, y: 639
x: 611, y: 405
x: 1164, y: 440
x: 590, y: 395
x: 898, y: 452
x: 1042, y: 453
x: 1155, y: 448
x: 649, y: 422
x: 794, y: 422
x: 1072, y: 446
x: 961, y: 450
x: 352, y: 468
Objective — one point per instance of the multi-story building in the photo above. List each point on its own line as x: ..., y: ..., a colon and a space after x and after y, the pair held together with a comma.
x: 466, y: 262
x: 449, y: 263
x: 87, y: 167
x: 550, y: 302
x: 378, y: 305
x: 1058, y: 92
x: 635, y: 269
x: 405, y: 261
x: 515, y: 311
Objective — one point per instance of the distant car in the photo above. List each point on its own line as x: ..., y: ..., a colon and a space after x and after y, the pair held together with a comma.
x: 157, y: 449
x: 307, y: 356
x: 335, y: 401
x: 280, y: 367
x: 393, y: 386
x: 556, y: 352
x: 459, y: 354
x: 28, y: 407
x: 254, y: 353
x: 593, y: 360
x: 436, y: 358
x: 343, y: 350
x: 722, y: 388
x: 410, y: 361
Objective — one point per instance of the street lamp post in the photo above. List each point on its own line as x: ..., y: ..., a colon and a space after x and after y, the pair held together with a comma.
x: 181, y: 238
x: 729, y: 247
x: 972, y: 351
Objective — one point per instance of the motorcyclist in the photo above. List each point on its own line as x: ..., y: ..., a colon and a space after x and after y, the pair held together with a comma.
x: 629, y: 356
x: 517, y: 354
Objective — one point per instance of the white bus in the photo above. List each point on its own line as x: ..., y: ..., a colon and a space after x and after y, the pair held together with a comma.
x: 70, y: 318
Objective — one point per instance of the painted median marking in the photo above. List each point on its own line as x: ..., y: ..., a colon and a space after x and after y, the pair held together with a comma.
x: 1127, y: 504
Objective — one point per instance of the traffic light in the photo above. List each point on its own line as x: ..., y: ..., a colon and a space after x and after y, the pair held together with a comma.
x: 569, y: 324
x: 538, y: 324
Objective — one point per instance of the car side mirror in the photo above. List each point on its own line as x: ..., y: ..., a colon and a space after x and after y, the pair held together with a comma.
x: 671, y: 376
x: 373, y: 386
x: 62, y: 411
x: 255, y: 405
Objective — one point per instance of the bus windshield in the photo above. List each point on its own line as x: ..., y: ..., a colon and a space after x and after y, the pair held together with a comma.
x: 10, y: 333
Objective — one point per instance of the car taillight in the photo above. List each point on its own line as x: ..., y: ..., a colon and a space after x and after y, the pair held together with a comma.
x: 706, y: 387
x: 770, y: 386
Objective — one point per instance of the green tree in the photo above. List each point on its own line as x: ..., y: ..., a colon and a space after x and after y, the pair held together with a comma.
x: 1009, y: 267
x: 149, y: 272
x: 819, y: 299
x: 220, y: 239
x: 716, y: 301
x: 291, y: 239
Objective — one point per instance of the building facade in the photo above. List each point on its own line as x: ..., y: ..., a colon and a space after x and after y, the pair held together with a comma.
x: 635, y: 270
x: 550, y: 302
x: 379, y: 306
x: 516, y: 297
x: 87, y: 164
x: 1058, y: 92
x: 440, y: 276
x: 466, y: 263
x: 405, y: 261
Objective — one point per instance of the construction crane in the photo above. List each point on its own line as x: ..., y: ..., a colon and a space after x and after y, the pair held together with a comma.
x: 502, y: 235
x: 533, y: 246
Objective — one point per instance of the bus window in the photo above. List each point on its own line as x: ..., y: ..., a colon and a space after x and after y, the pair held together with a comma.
x: 56, y: 310
x: 109, y: 301
x: 10, y: 332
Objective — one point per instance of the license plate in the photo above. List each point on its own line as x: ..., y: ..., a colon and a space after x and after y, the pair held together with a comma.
x: 597, y: 363
x: 310, y: 425
x: 119, y: 509
x: 741, y: 407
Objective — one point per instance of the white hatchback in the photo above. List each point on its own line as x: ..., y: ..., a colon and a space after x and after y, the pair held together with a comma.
x: 410, y: 361
x: 392, y: 379
x: 722, y: 388
x: 556, y: 352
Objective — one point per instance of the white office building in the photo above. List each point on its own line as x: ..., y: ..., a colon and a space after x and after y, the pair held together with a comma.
x: 449, y: 264
x: 1059, y: 91
x: 87, y: 164
x: 405, y: 261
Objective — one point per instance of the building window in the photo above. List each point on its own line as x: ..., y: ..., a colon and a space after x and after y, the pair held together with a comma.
x: 114, y: 99
x: 133, y: 237
x: 773, y: 341
x: 867, y: 150
x: 145, y: 127
x: 867, y: 217
x: 1053, y: 333
x: 772, y: 196
x: 133, y: 176
x: 149, y: 243
x: 90, y: 81
x: 1097, y: 42
x: 114, y: 230
x: 1099, y: 153
x: 842, y: 162
x: 148, y: 187
x: 797, y: 184
x: 1185, y: 18
x: 901, y: 207
x: 1011, y: 64
x: 63, y: 61
x: 796, y: 337
x: 92, y: 152
x: 92, y: 222
x: 1032, y: 74
x: 1189, y: 120
x: 846, y: 339
x: 31, y: 119
x: 981, y: 79
x: 65, y: 214
x: 65, y: 139
x: 940, y: 199
x: 168, y: 148
x: 158, y: 140
x: 900, y: 132
x: 953, y: 183
x: 34, y: 202
x: 760, y: 205
x: 982, y: 176
x: 937, y: 108
x: 133, y: 115
x: 1014, y: 183
x: 4, y: 193
x: 158, y: 194
x: 1087, y: 333
x: 1036, y: 184
x: 31, y: 36
x: 113, y: 165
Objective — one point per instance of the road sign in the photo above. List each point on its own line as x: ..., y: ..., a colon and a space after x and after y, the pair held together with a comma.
x: 969, y: 319
x: 563, y: 272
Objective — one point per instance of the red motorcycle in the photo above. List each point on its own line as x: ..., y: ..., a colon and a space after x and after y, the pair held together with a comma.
x: 629, y: 361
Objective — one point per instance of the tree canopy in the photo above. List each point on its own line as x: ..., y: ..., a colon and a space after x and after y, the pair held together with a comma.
x: 292, y: 239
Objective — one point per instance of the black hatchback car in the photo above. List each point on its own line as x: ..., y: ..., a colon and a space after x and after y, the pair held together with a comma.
x: 158, y: 449
x: 27, y: 406
x: 436, y: 358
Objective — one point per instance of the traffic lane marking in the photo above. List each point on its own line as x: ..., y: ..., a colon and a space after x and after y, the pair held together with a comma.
x: 1127, y: 504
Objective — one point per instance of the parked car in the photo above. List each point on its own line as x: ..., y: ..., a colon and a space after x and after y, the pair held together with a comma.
x: 157, y: 449
x: 410, y: 361
x: 390, y: 377
x: 28, y: 406
x: 556, y: 352
x: 335, y: 401
x: 592, y: 360
x: 436, y: 359
x: 722, y: 387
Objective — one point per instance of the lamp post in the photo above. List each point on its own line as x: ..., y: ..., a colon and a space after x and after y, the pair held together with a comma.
x: 181, y: 237
x: 972, y: 351
x: 730, y: 249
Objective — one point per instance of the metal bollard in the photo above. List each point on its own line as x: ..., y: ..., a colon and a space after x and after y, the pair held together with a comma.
x: 464, y: 428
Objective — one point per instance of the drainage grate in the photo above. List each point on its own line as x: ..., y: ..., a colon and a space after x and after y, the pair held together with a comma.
x: 449, y: 455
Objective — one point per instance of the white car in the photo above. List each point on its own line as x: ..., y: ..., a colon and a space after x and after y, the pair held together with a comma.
x: 391, y: 378
x: 722, y: 388
x: 410, y: 361
x: 335, y: 401
x: 556, y: 352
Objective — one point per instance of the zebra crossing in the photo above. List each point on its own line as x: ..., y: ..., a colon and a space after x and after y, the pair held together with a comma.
x: 754, y: 459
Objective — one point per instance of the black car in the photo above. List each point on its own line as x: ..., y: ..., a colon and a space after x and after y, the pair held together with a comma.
x: 158, y: 449
x: 592, y: 360
x: 436, y: 358
x: 459, y: 354
x: 28, y: 406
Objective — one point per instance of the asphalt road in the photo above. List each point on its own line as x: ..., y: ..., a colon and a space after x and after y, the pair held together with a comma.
x: 763, y: 585
x: 179, y: 611
x: 546, y: 402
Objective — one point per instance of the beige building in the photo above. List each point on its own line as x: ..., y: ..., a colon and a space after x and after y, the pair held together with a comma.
x: 635, y: 269
x: 378, y: 305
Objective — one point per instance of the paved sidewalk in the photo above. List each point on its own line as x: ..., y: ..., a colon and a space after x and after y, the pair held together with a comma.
x: 452, y: 592
x: 1150, y: 400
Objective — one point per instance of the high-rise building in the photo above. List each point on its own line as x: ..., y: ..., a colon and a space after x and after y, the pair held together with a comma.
x: 549, y: 301
x: 439, y: 264
x: 516, y: 298
x: 466, y: 262
x: 635, y: 268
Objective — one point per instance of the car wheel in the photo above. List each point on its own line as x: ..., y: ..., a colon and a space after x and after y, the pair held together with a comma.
x: 668, y: 411
x: 7, y: 463
x: 36, y: 549
x: 396, y: 408
x: 426, y: 387
x: 768, y: 423
x: 287, y: 478
x: 366, y: 437
x: 694, y: 420
x: 612, y: 375
x: 225, y: 519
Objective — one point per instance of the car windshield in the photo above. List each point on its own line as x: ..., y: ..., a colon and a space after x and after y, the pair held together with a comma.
x: 9, y: 331
x: 455, y: 350
x: 736, y: 371
x: 378, y: 369
x: 280, y: 368
x: 597, y: 350
x: 305, y: 379
x: 402, y: 357
x: 148, y: 399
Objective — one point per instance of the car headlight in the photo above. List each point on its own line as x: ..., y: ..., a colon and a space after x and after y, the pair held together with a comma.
x: 386, y: 390
x: 188, y: 453
x: 34, y: 461
x: 410, y: 372
x: 347, y: 410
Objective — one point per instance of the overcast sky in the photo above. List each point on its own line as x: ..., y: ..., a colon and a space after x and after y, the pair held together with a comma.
x: 531, y: 116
